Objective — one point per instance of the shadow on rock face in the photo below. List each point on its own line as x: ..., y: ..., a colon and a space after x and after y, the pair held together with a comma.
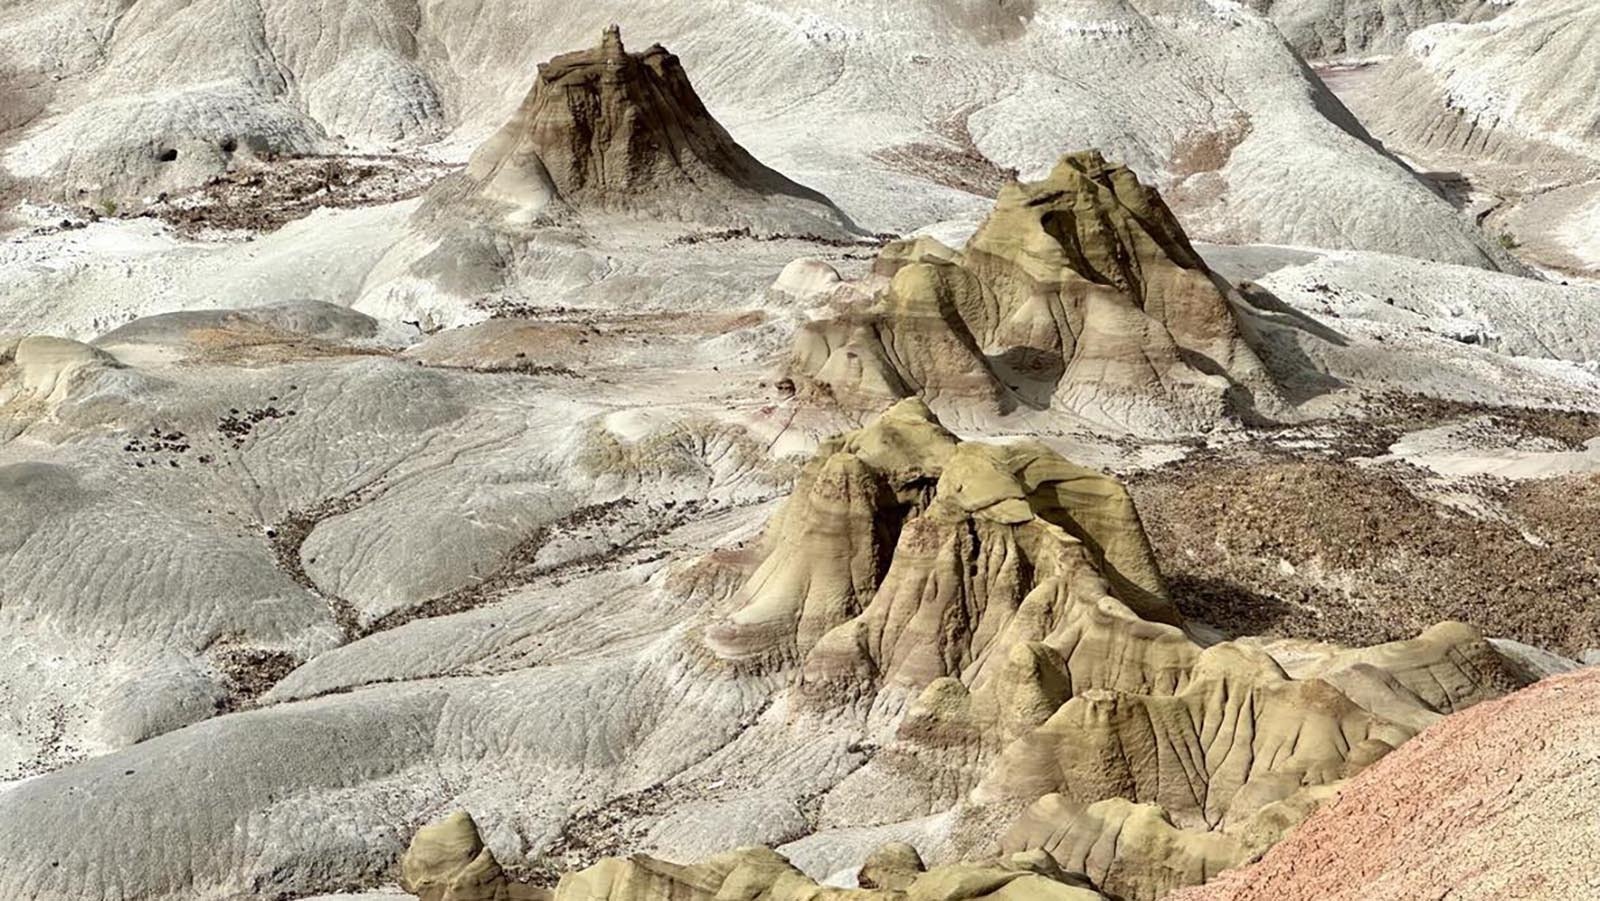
x: 1276, y: 331
x: 1211, y: 600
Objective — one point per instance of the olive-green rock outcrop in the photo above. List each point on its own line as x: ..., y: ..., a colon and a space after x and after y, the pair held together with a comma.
x: 448, y: 862
x: 1079, y: 293
x: 1001, y: 607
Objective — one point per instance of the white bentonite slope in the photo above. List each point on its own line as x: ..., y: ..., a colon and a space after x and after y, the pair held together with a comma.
x: 1520, y: 86
x: 1355, y: 28
x: 489, y: 490
x: 1202, y: 98
x: 1502, y: 111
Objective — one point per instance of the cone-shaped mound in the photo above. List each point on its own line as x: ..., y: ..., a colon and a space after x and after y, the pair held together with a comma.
x: 612, y: 131
x: 1079, y: 293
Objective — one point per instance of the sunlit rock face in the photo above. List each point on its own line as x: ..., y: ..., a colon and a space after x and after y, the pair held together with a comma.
x: 1000, y: 610
x: 1079, y: 294
x: 607, y: 130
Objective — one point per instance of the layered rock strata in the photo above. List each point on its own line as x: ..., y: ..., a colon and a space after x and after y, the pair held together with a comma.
x: 999, y: 610
x: 605, y: 130
x: 1079, y: 293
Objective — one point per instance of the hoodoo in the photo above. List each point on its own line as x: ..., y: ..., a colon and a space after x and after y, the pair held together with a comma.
x: 1000, y: 609
x: 606, y: 130
x: 1079, y: 293
x: 447, y: 861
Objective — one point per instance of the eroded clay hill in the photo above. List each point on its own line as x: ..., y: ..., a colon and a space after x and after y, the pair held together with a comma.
x: 1504, y: 108
x: 606, y: 130
x: 1497, y: 802
x: 1520, y: 87
x: 447, y: 861
x: 960, y: 645
x: 1079, y: 293
x: 997, y: 612
x: 1332, y: 28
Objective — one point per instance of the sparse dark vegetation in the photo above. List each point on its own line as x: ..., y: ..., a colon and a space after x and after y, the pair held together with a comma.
x: 1309, y: 543
x: 238, y: 425
x: 263, y: 195
x: 249, y: 672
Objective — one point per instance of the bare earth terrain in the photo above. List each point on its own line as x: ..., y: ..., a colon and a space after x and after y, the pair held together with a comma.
x: 1067, y: 450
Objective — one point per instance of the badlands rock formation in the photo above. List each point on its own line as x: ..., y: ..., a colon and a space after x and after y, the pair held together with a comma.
x: 1079, y: 293
x: 448, y: 862
x: 1496, y: 802
x: 836, y: 584
x: 152, y: 97
x: 942, y: 640
x: 609, y: 153
x: 999, y: 609
x: 605, y: 130
x: 1501, y: 110
x: 1519, y: 86
x: 332, y: 503
x: 202, y: 543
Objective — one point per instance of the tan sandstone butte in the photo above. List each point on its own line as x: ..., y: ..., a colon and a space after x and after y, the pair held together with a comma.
x: 1079, y: 293
x: 1003, y: 610
x: 448, y: 862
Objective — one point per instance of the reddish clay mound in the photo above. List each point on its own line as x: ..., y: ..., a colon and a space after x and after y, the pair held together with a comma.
x: 1501, y: 801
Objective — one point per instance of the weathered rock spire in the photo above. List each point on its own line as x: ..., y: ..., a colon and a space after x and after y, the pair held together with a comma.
x: 607, y: 130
